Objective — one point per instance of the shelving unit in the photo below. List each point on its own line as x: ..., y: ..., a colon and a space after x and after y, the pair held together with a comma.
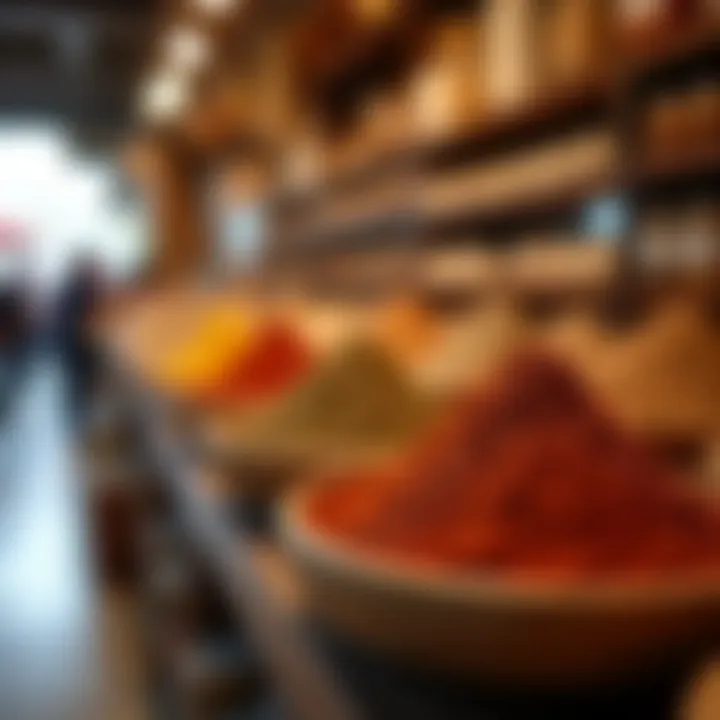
x: 545, y: 114
x: 670, y: 50
x: 614, y: 101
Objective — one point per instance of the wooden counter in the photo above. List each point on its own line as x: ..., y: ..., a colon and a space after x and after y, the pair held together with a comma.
x: 319, y: 676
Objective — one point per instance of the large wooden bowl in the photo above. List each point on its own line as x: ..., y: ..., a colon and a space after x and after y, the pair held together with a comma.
x: 495, y: 631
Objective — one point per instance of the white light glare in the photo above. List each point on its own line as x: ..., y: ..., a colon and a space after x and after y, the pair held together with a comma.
x: 187, y: 49
x: 164, y: 98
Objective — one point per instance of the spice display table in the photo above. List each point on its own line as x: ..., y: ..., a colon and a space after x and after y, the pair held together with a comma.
x: 318, y: 675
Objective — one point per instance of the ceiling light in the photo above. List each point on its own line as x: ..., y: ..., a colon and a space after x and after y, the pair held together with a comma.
x: 164, y: 97
x: 215, y: 7
x: 187, y: 49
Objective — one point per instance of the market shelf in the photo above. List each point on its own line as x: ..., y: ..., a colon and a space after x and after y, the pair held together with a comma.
x: 388, y: 227
x: 521, y: 211
x: 551, y: 113
x: 676, y: 167
x: 671, y: 50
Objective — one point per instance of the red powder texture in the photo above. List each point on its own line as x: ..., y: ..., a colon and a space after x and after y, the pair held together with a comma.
x: 528, y: 478
x: 276, y: 360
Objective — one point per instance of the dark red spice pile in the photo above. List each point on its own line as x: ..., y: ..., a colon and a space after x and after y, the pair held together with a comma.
x: 528, y: 478
x: 276, y: 359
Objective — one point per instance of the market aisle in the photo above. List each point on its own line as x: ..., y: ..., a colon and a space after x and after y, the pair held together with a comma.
x: 48, y: 637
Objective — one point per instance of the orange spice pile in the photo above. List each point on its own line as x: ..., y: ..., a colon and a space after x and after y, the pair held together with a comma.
x: 276, y: 359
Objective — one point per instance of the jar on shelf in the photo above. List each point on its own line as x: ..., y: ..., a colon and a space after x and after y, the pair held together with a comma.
x: 573, y: 37
x: 511, y: 53
x: 305, y: 161
x: 446, y: 89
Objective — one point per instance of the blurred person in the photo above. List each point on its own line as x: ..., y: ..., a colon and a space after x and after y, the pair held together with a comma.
x: 77, y: 304
x: 14, y: 342
x: 15, y: 316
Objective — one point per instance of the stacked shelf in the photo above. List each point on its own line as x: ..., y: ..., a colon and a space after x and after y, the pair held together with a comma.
x: 419, y: 164
x: 544, y: 113
x: 610, y: 103
x: 678, y: 168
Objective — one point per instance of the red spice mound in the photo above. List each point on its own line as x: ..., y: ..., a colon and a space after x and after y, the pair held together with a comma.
x: 276, y: 359
x: 528, y: 478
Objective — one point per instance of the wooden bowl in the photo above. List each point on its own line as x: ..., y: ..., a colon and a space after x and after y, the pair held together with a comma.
x: 258, y: 474
x: 493, y: 630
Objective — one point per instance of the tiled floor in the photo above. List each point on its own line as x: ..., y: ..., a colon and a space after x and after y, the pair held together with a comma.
x: 64, y: 652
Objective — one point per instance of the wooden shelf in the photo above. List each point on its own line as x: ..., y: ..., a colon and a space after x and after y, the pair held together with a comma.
x: 519, y: 212
x: 363, y: 231
x: 387, y: 165
x: 553, y: 112
x: 374, y: 228
x: 671, y: 168
x: 671, y: 50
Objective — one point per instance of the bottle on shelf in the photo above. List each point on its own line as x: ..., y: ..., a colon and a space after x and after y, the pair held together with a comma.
x: 447, y: 88
x: 511, y: 53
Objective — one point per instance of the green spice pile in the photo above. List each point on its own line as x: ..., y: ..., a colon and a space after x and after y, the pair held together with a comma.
x: 357, y: 400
